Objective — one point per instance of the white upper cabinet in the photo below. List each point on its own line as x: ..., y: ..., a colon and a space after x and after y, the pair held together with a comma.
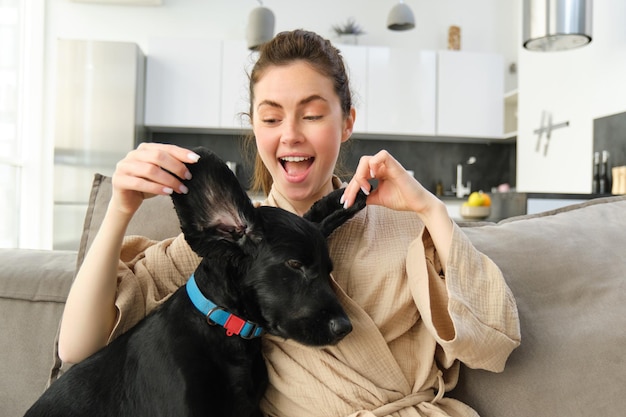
x: 183, y: 78
x: 470, y: 91
x: 401, y: 91
x: 355, y: 59
x: 237, y: 62
x: 203, y: 84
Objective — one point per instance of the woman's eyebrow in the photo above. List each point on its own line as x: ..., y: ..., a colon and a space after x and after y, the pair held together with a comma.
x: 311, y: 98
x: 269, y: 103
x: 304, y: 101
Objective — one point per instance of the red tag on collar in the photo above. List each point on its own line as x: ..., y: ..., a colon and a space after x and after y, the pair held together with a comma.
x: 234, y: 325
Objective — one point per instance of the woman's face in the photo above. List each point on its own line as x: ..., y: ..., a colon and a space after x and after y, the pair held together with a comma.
x: 299, y: 127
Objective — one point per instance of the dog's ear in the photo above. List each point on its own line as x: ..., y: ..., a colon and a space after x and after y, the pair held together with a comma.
x: 216, y: 206
x: 329, y: 213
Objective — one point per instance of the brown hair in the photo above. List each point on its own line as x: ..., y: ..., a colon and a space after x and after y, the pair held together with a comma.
x: 284, y: 49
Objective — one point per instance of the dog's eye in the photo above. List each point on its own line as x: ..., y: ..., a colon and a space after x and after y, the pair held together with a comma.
x: 294, y: 264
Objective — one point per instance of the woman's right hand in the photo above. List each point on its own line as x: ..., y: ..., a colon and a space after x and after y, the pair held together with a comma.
x: 151, y: 169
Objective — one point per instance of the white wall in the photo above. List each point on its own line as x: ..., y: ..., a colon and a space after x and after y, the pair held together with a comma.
x: 486, y: 25
x: 576, y: 86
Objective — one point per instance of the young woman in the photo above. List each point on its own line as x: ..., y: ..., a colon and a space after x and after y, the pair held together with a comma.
x: 421, y: 298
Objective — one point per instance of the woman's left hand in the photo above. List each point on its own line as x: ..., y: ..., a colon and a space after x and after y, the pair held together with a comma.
x: 397, y: 189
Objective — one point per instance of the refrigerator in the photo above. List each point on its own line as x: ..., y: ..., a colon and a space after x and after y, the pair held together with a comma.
x: 99, y: 101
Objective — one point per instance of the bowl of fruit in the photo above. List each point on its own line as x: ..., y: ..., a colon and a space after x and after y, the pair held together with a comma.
x: 477, y: 206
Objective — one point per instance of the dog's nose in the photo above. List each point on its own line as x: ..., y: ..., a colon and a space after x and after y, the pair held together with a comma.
x: 340, y: 327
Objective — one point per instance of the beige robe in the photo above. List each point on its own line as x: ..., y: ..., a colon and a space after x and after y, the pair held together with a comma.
x: 411, y: 324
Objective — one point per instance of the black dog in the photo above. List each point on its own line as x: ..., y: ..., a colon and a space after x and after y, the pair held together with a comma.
x: 263, y: 269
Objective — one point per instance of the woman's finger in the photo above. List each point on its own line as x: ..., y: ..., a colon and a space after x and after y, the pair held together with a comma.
x: 171, y: 158
x: 360, y: 181
x: 156, y: 168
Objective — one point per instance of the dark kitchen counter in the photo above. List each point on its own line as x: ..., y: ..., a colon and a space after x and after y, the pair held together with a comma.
x: 565, y: 196
x: 513, y: 194
x: 505, y: 205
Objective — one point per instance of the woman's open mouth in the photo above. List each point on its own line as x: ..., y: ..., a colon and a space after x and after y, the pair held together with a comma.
x: 296, y: 166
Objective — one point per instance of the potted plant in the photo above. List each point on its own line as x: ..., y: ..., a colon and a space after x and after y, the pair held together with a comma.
x: 348, y: 31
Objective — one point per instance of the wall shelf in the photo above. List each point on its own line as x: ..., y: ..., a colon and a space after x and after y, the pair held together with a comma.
x: 510, y: 114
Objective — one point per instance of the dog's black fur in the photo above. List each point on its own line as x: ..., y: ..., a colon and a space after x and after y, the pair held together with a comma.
x: 264, y: 264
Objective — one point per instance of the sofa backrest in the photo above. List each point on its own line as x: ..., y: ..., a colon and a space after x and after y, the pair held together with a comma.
x: 567, y: 270
x: 156, y: 218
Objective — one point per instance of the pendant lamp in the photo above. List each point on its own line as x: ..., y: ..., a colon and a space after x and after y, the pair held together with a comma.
x: 260, y: 27
x: 401, y: 17
x: 556, y: 25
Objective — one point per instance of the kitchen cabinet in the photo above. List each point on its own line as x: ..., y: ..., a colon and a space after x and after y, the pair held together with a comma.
x: 355, y: 60
x: 470, y: 87
x: 183, y: 79
x: 203, y: 84
x: 237, y: 62
x: 539, y: 204
x: 401, y: 91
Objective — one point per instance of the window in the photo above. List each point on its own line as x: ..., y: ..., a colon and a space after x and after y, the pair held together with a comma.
x: 10, y: 166
x: 21, y: 92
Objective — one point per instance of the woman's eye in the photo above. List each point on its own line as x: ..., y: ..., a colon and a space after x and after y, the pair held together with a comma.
x: 312, y: 117
x: 294, y: 264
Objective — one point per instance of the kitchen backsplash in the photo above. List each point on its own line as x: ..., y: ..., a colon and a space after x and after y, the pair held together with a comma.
x: 431, y: 161
x: 609, y: 133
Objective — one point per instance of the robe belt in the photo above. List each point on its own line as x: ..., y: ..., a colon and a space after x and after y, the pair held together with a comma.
x: 412, y: 399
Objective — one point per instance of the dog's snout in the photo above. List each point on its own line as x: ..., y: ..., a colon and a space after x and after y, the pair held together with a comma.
x: 340, y: 327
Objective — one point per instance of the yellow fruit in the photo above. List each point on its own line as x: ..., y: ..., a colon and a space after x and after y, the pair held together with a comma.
x: 475, y: 199
x: 478, y: 198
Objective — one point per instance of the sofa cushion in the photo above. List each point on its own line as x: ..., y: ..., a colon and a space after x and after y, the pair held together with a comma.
x: 567, y: 270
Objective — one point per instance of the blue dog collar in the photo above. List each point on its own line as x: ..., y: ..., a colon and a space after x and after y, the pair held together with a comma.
x: 218, y: 315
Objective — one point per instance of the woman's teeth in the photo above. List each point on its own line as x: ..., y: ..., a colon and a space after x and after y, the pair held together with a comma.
x: 294, y: 158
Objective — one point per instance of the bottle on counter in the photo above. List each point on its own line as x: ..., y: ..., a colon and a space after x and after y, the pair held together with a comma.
x: 618, y: 178
x: 595, y: 184
x: 439, y: 189
x: 605, y: 182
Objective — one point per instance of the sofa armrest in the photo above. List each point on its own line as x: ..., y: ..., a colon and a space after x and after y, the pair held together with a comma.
x: 33, y: 288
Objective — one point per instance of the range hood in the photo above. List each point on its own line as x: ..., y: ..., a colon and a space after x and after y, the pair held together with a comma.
x: 556, y: 25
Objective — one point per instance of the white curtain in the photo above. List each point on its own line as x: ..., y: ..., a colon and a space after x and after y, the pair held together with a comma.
x: 22, y: 196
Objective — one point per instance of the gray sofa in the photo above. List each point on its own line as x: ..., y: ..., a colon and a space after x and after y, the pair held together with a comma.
x: 567, y: 269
